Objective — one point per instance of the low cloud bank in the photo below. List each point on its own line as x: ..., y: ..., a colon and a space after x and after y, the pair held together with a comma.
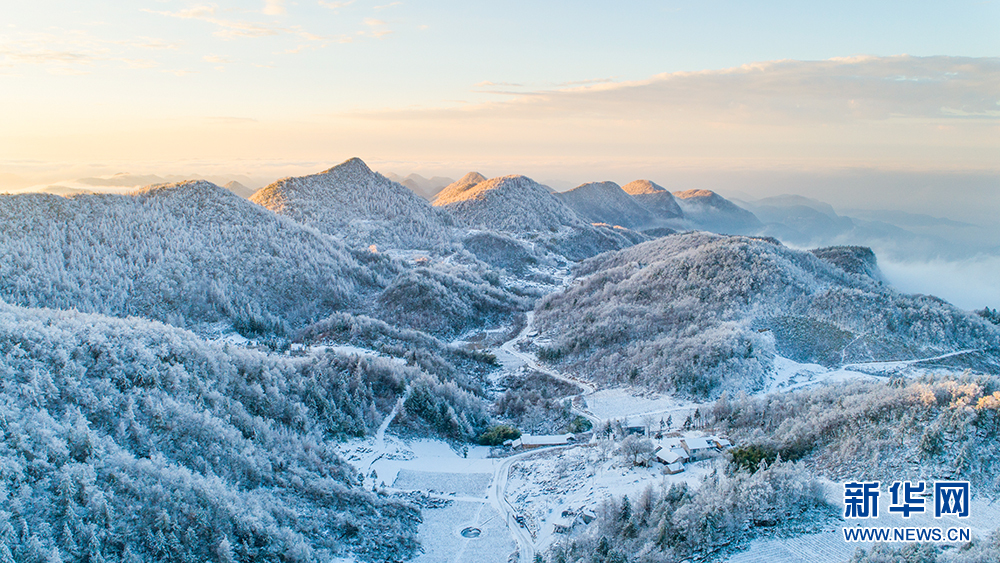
x: 969, y: 284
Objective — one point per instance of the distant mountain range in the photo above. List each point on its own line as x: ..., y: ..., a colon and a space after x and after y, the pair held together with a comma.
x: 426, y: 188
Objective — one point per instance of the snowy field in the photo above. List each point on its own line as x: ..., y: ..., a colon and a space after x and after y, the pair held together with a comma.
x: 463, y: 484
x: 790, y: 375
x: 434, y: 468
x: 440, y: 534
x: 626, y: 402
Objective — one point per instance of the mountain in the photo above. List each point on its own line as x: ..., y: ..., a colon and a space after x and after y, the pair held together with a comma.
x: 458, y: 187
x: 657, y: 200
x: 709, y: 211
x: 427, y: 188
x: 194, y: 253
x: 606, y: 202
x: 183, y: 253
x: 129, y: 440
x: 519, y: 206
x: 239, y: 189
x: 360, y: 207
x: 701, y: 313
x: 508, y: 203
x: 854, y: 259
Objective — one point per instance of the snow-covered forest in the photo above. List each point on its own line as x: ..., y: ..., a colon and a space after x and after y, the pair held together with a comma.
x: 701, y: 313
x: 188, y: 375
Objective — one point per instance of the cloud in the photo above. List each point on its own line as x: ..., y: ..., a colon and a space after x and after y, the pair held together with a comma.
x: 969, y: 284
x: 844, y: 112
x: 216, y: 59
x: 230, y: 120
x: 335, y: 5
x: 486, y: 83
x: 585, y: 82
x: 17, y: 54
x: 232, y: 29
x: 274, y: 7
x: 840, y: 90
x: 389, y: 5
x: 149, y: 43
x: 374, y: 22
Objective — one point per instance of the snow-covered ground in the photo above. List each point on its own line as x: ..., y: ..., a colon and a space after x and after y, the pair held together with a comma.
x: 626, y: 402
x: 789, y: 375
x: 577, y: 480
x: 462, y: 479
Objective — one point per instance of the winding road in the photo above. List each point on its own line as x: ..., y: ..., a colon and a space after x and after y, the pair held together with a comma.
x: 510, y: 347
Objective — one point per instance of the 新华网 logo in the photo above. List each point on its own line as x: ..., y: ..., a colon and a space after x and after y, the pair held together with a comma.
x: 861, y: 502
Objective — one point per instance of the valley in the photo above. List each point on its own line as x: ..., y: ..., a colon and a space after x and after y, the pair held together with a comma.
x: 338, y: 368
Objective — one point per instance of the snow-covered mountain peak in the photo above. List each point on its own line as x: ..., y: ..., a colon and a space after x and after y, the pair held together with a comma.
x: 706, y: 195
x: 641, y: 187
x: 361, y: 206
x: 606, y: 202
x: 351, y: 166
x: 456, y: 189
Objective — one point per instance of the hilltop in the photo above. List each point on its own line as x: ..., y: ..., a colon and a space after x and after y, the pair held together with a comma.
x: 711, y: 212
x: 359, y: 206
x: 519, y: 206
x: 181, y: 253
x: 454, y: 190
x: 606, y: 202
x: 194, y: 253
x: 700, y: 313
x: 656, y: 199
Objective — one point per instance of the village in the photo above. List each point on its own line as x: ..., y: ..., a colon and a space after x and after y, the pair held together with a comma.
x: 560, y: 481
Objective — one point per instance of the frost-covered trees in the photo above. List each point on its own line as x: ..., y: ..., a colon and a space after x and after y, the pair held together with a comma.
x: 193, y: 253
x: 913, y: 429
x: 131, y: 440
x: 682, y: 523
x: 699, y: 314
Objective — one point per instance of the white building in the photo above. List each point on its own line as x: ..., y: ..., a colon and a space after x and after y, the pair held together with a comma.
x: 527, y: 441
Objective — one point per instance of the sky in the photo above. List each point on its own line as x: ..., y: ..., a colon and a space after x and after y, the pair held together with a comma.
x: 861, y: 104
x: 562, y: 91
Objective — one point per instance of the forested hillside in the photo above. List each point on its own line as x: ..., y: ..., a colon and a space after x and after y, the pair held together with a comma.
x: 700, y: 313
x: 521, y: 207
x: 359, y: 206
x: 184, y: 254
x: 129, y: 440
x: 606, y: 202
x: 195, y: 253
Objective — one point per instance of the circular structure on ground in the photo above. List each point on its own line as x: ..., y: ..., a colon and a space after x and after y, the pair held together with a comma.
x: 471, y: 532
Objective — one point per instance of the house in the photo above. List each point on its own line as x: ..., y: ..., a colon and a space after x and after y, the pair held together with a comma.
x: 528, y: 442
x: 721, y: 443
x: 667, y: 457
x: 671, y: 444
x: 699, y: 448
x: 674, y: 468
x: 563, y: 524
x: 635, y: 427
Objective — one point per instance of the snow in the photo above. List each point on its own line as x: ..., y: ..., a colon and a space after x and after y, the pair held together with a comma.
x: 789, y: 375
x: 433, y: 467
x: 441, y: 539
x: 544, y: 485
x: 629, y: 402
